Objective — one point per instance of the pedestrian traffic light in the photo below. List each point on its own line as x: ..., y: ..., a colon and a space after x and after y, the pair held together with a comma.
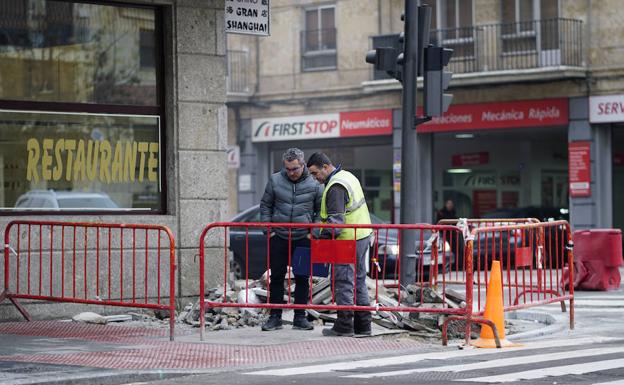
x: 436, y: 80
x: 385, y: 59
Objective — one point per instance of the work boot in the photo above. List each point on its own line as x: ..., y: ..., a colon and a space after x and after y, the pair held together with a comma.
x: 362, y: 323
x: 273, y: 323
x: 300, y: 322
x: 343, y: 327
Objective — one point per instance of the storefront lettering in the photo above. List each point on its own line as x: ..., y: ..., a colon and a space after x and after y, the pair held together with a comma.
x: 610, y: 108
x: 489, y: 116
x: 544, y: 113
x: 480, y: 180
x: 363, y: 124
x: 491, y: 180
x: 79, y: 160
x: 296, y: 128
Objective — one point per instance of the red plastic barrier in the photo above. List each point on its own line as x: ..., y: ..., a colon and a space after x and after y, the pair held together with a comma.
x: 128, y: 265
x: 598, y: 254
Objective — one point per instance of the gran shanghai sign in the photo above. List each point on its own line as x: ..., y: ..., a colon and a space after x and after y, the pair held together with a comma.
x: 249, y: 17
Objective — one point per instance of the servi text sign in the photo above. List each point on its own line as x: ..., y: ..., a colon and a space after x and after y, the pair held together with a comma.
x: 249, y: 17
x: 322, y: 126
x: 606, y: 108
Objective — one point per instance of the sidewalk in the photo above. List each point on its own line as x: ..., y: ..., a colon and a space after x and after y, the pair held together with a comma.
x: 67, y: 352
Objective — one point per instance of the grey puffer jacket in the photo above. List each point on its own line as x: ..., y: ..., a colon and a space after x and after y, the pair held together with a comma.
x: 291, y: 202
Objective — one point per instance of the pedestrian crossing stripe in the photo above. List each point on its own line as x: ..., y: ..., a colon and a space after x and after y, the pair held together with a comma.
x: 554, y: 371
x: 521, y: 360
x: 411, y: 358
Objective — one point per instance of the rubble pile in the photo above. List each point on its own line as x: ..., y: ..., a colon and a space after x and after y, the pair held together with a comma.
x: 417, y: 323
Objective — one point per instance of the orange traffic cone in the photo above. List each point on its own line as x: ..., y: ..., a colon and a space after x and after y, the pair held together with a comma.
x: 494, y: 312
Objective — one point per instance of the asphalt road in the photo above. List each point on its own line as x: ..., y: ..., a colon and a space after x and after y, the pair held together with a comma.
x: 592, y: 353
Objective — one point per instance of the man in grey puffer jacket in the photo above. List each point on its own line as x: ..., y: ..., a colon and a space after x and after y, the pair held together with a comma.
x: 290, y: 196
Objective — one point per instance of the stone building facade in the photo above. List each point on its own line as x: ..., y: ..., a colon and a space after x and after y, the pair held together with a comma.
x: 116, y: 72
x: 526, y: 75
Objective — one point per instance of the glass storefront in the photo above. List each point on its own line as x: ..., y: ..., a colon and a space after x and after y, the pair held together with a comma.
x: 516, y: 172
x: 80, y: 110
x: 60, y: 51
x: 63, y: 156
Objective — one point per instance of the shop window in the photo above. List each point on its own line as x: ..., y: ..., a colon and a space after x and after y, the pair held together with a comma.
x: 57, y: 51
x: 80, y: 111
x: 318, y: 40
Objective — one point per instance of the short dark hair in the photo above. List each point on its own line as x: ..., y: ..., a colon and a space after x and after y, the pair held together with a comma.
x: 318, y: 159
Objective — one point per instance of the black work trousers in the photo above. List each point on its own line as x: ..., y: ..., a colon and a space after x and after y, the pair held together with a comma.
x: 279, y: 266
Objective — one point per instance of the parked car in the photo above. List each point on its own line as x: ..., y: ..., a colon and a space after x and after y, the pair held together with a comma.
x: 387, y: 248
x: 64, y: 200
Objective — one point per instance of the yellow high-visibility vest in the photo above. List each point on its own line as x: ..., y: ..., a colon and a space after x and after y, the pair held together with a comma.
x: 356, y: 208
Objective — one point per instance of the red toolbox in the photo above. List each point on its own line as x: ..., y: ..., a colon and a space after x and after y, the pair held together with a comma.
x: 597, y: 257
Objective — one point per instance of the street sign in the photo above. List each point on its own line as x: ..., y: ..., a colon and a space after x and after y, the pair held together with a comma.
x: 249, y: 17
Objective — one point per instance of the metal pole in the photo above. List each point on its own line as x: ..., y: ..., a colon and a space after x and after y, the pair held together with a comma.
x: 409, y: 143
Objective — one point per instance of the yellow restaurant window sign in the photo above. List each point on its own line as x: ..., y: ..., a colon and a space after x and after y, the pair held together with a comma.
x: 80, y: 161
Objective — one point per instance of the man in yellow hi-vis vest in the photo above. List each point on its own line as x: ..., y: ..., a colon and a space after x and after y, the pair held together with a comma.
x: 343, y: 203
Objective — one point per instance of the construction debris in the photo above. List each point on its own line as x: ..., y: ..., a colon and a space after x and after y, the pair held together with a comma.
x: 420, y: 323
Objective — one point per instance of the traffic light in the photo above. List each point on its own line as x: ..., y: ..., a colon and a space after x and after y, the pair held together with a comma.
x: 385, y: 59
x: 436, y: 80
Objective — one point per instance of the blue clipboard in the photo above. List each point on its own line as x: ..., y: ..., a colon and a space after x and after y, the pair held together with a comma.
x: 301, y: 264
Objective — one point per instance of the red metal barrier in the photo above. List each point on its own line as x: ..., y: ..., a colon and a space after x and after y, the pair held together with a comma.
x: 453, y: 240
x: 127, y: 265
x: 252, y: 241
x: 533, y: 258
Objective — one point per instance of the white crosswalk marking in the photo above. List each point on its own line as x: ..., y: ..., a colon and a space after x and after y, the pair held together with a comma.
x: 497, y: 363
x: 407, y: 359
x: 589, y: 367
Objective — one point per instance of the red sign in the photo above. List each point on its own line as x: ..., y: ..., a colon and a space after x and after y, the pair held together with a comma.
x: 578, y: 169
x: 618, y: 159
x: 528, y: 113
x: 483, y: 201
x: 366, y: 123
x: 474, y: 159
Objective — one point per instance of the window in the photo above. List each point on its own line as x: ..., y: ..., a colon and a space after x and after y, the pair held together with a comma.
x: 318, y: 40
x: 530, y: 25
x: 80, y: 107
x: 452, y: 20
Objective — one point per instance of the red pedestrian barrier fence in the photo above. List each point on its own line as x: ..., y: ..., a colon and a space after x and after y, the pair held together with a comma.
x: 534, y: 258
x: 128, y: 265
x: 433, y: 260
x: 467, y: 225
